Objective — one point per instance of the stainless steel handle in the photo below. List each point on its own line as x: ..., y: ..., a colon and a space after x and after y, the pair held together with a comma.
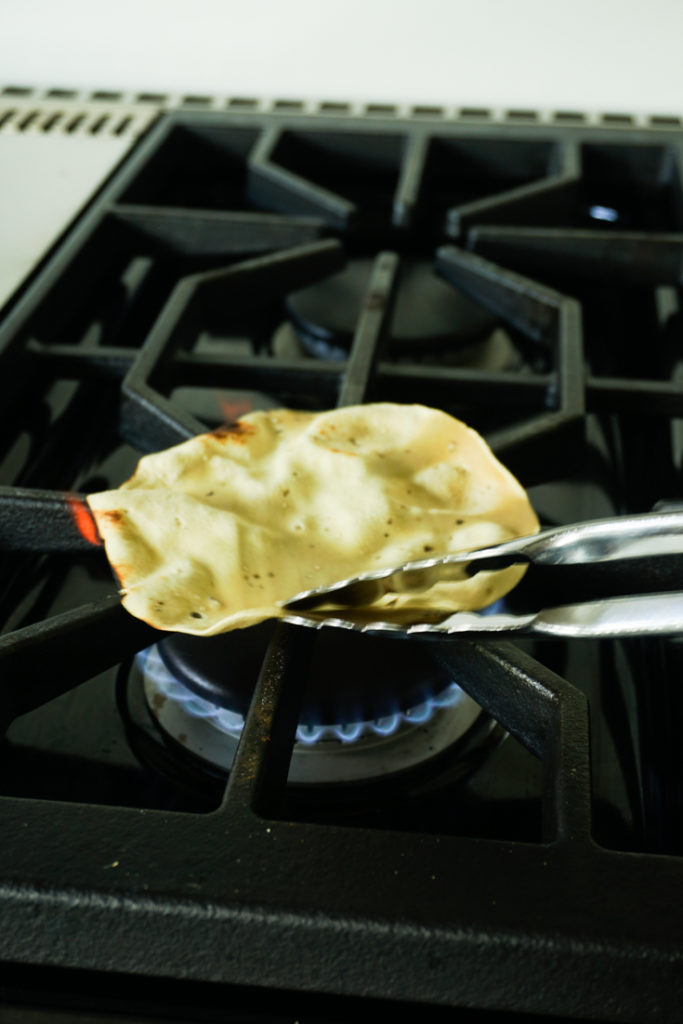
x: 652, y: 543
x: 653, y: 534
x: 645, y: 615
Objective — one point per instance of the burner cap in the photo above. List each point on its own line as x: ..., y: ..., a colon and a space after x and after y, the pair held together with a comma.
x: 428, y: 312
x: 351, y: 678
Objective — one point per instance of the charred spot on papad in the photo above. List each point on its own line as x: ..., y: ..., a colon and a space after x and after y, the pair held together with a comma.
x: 238, y: 431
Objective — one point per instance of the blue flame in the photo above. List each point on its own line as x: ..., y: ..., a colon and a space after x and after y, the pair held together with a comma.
x: 494, y: 609
x: 421, y: 713
x: 153, y: 667
x: 231, y: 722
x: 348, y: 732
x: 310, y: 733
x: 604, y: 213
x: 387, y: 725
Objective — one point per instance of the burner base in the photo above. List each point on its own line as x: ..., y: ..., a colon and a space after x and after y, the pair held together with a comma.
x: 327, y: 755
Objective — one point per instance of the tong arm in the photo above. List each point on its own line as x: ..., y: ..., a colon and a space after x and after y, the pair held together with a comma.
x: 650, y: 536
x: 644, y: 615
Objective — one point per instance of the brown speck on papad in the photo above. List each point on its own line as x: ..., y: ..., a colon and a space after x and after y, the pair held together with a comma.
x: 238, y: 431
x: 200, y: 566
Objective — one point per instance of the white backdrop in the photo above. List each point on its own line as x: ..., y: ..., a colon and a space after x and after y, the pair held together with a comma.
x: 618, y: 56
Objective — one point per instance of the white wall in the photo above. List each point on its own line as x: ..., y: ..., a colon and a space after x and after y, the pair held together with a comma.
x: 603, y: 55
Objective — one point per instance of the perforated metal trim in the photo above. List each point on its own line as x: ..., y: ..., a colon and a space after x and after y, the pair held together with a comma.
x: 64, y: 112
x: 15, y: 101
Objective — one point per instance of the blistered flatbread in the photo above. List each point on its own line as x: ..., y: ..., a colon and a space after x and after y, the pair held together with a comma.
x: 215, y: 533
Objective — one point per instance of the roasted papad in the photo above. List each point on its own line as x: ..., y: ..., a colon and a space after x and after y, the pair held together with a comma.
x: 215, y: 533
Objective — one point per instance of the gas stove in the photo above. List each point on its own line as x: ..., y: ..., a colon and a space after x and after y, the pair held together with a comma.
x: 312, y: 826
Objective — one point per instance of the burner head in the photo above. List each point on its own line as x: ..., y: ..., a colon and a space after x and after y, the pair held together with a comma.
x: 428, y: 314
x: 356, y: 751
x: 352, y: 677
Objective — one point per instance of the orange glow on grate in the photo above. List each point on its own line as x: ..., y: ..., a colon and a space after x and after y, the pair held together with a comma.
x: 233, y: 410
x: 83, y: 520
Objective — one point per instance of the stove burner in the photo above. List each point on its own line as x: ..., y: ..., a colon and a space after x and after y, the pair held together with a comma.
x: 494, y: 354
x: 429, y: 314
x: 372, y: 707
x: 349, y: 750
x: 352, y: 678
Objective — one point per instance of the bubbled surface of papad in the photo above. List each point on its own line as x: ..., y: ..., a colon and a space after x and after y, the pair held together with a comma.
x: 216, y: 533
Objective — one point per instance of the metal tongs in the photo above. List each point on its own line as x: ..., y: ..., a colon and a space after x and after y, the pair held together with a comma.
x: 641, y: 557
